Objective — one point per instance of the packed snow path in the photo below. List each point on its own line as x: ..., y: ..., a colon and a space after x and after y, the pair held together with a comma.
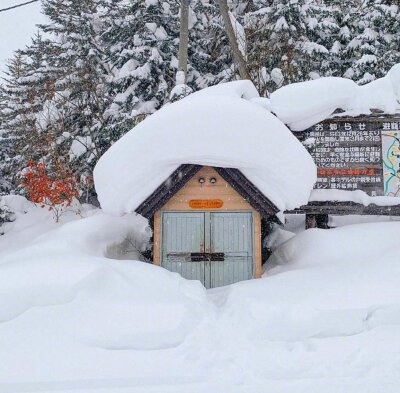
x: 325, y: 318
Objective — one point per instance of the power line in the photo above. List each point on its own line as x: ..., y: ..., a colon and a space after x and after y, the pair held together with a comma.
x: 18, y: 5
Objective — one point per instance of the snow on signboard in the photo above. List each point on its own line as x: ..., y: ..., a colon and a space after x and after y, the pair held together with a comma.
x: 301, y: 105
x: 218, y: 126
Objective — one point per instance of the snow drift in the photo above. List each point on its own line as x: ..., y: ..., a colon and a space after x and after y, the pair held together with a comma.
x: 301, y: 105
x: 324, y: 283
x: 324, y: 318
x: 218, y: 126
x: 137, y: 305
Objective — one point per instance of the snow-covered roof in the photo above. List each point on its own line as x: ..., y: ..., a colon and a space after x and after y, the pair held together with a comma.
x: 219, y: 126
x: 301, y: 105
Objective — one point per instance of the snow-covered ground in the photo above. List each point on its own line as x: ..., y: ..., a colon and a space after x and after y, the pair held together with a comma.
x: 324, y: 318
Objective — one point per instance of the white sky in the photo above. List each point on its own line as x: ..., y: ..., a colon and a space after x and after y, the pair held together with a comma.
x: 17, y: 27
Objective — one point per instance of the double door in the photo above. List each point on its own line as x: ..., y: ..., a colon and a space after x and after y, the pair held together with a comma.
x: 213, y: 247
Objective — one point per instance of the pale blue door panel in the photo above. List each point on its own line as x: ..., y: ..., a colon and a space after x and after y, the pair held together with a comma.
x: 232, y: 236
x: 183, y: 235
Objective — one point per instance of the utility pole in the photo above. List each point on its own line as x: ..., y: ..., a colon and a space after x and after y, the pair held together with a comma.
x: 237, y: 55
x: 184, y: 38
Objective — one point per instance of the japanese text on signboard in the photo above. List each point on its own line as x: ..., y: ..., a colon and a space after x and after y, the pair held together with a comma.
x: 353, y: 155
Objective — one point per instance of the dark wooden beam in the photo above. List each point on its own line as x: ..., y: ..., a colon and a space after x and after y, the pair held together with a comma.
x: 248, y: 191
x: 346, y: 208
x: 185, y: 172
x: 167, y: 189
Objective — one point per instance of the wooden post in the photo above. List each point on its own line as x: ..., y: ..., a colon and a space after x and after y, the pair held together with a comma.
x: 184, y: 38
x: 322, y: 221
x: 317, y: 221
x: 157, y: 238
x: 311, y: 221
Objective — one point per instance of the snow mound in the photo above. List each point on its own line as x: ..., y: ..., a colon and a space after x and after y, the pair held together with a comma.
x: 324, y: 283
x: 218, y: 126
x: 351, y: 247
x: 324, y: 318
x: 301, y: 105
x: 138, y: 305
x: 16, y: 203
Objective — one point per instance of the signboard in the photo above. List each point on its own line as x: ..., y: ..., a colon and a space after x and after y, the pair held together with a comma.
x: 206, y: 203
x: 356, y: 154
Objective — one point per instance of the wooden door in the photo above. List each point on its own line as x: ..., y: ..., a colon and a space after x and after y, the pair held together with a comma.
x: 213, y: 247
x: 232, y: 242
x: 182, y: 239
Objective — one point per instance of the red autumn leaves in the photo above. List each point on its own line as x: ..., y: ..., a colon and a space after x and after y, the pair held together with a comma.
x: 56, y: 191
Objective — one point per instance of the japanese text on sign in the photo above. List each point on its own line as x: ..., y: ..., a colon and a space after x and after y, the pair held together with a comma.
x: 353, y: 155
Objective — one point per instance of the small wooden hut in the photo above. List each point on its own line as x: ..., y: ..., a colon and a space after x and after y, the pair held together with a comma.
x: 207, y: 224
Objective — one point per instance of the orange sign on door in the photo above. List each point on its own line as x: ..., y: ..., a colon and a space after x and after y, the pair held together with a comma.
x: 206, y: 203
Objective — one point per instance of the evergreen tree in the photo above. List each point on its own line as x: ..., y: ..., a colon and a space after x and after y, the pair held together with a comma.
x: 377, y: 42
x: 142, y: 42
x: 338, y: 18
x: 80, y: 71
x: 24, y: 92
x: 210, y: 59
x: 6, y: 166
x: 284, y: 42
x: 106, y: 64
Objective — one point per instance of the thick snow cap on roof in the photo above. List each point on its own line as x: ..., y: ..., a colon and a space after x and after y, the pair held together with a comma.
x: 301, y: 105
x: 218, y: 126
